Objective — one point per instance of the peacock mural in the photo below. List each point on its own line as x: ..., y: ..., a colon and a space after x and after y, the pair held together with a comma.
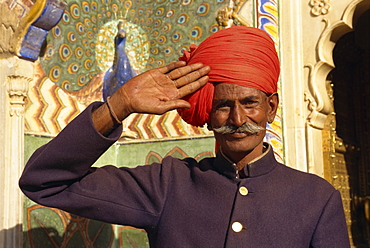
x: 121, y: 71
x: 76, y: 66
x: 82, y: 46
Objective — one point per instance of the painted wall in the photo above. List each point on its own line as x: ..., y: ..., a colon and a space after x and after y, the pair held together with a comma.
x: 305, y: 33
x: 69, y: 75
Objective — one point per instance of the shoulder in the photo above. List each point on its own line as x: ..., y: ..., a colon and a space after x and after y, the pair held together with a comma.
x: 174, y: 165
x: 302, y: 174
x: 304, y: 181
x: 187, y: 167
x: 188, y: 163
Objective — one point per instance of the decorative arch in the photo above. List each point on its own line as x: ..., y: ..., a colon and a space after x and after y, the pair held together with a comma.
x: 153, y: 157
x: 342, y: 159
x: 177, y: 152
x: 318, y: 97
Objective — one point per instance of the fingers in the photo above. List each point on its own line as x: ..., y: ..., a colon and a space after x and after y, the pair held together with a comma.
x: 184, y: 70
x: 187, y: 78
x: 178, y: 69
x: 192, y: 87
x: 172, y: 66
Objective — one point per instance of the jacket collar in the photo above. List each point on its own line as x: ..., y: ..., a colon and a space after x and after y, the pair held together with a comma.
x: 257, y: 167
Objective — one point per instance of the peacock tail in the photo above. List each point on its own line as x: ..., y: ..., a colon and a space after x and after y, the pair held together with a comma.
x: 81, y: 47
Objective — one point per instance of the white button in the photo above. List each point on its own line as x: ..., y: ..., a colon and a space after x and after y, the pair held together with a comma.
x: 243, y: 190
x: 237, y: 227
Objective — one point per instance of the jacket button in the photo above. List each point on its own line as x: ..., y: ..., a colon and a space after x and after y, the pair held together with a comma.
x: 243, y: 190
x: 237, y: 227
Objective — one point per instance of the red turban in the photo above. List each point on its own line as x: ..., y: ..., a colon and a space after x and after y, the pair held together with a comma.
x: 237, y: 55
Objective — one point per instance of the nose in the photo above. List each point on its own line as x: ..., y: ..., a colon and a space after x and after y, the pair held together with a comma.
x: 237, y: 115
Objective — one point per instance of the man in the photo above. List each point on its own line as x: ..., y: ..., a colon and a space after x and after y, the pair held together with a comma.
x: 241, y: 198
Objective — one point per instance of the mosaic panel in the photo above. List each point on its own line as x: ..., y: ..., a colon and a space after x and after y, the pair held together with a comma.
x: 80, y: 49
x: 267, y: 19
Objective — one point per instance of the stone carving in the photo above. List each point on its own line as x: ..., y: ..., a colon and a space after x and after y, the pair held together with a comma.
x: 318, y: 97
x: 319, y: 102
x: 17, y: 88
x: 8, y: 25
x: 17, y: 85
x: 320, y: 7
x: 228, y: 15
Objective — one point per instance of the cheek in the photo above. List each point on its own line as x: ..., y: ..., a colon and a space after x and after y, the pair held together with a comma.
x: 218, y: 118
x: 258, y: 116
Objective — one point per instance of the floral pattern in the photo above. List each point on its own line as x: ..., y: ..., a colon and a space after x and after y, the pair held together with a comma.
x: 320, y: 7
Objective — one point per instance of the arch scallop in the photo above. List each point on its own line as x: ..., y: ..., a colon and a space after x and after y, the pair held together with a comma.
x: 319, y: 99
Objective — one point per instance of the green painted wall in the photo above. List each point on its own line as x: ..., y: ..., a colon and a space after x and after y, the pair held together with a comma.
x: 134, y: 153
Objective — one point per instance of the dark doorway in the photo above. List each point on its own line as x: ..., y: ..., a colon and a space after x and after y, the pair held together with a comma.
x: 351, y: 91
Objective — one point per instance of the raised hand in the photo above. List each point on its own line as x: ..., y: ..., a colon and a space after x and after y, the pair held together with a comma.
x: 153, y: 92
x: 160, y: 90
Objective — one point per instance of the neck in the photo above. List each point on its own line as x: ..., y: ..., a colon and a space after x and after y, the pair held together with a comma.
x: 241, y: 159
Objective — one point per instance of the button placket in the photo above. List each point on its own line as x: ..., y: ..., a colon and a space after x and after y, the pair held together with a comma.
x: 238, y: 226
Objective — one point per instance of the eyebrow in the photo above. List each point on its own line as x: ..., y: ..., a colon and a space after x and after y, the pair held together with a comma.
x: 220, y: 101
x: 250, y: 98
x: 223, y: 101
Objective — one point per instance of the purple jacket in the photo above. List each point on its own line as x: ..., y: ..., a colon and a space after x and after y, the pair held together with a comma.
x: 185, y: 203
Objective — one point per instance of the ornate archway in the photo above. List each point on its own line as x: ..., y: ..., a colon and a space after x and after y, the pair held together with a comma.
x: 338, y: 103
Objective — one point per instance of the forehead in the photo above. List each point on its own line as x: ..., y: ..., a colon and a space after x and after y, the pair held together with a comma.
x: 233, y: 92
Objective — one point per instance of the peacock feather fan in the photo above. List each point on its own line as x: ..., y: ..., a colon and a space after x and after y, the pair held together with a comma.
x: 82, y: 46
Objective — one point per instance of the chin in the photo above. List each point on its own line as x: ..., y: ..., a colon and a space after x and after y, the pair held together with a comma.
x: 241, y: 146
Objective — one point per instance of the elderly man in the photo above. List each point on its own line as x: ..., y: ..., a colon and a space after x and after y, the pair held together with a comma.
x: 241, y: 198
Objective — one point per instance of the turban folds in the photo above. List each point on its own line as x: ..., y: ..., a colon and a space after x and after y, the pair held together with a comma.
x: 239, y: 55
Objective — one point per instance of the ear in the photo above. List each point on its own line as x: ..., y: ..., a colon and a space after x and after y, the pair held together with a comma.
x: 273, y: 102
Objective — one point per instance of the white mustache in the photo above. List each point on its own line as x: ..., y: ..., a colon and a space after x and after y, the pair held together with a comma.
x: 245, y: 128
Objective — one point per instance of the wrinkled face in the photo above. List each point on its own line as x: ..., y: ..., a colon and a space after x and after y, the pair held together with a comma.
x: 235, y: 105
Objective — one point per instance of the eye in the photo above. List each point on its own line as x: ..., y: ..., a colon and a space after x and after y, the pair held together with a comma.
x: 250, y: 104
x: 223, y: 107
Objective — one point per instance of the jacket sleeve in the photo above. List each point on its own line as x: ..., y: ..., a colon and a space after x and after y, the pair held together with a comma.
x: 331, y: 230
x: 59, y: 174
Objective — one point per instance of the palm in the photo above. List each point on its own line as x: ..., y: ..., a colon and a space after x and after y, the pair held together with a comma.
x: 160, y: 90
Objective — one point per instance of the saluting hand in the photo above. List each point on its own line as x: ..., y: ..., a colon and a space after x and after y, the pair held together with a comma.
x: 153, y: 92
x: 160, y: 90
